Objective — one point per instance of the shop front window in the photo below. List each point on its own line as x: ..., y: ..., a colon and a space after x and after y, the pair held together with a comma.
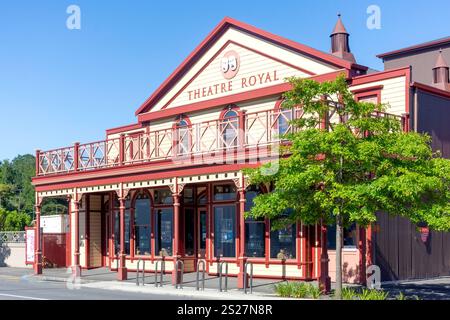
x: 225, y: 231
x: 163, y: 196
x: 224, y: 192
x: 142, y: 229
x: 202, y: 197
x: 254, y: 228
x: 283, y: 242
x: 350, y: 237
x: 117, y: 227
x: 164, y: 231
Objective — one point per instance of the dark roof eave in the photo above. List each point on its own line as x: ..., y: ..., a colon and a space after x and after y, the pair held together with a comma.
x: 421, y: 46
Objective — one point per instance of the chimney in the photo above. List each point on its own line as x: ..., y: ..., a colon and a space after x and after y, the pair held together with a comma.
x: 340, y: 42
x: 441, y: 73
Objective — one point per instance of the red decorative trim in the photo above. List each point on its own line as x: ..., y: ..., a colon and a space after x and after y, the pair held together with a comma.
x: 434, y: 43
x: 218, y: 53
x: 432, y: 90
x: 233, y: 98
x: 217, y: 32
x: 133, y: 173
x: 378, y: 76
x: 123, y: 128
x: 368, y: 89
x: 212, y: 103
x: 369, y: 93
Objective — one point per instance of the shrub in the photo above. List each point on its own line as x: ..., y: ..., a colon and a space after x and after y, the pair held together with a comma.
x: 314, y: 291
x: 373, y: 294
x: 297, y: 290
x: 283, y: 289
x: 349, y: 294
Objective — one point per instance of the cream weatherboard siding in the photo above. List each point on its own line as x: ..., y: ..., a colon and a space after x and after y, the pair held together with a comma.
x: 393, y: 93
x: 246, y: 67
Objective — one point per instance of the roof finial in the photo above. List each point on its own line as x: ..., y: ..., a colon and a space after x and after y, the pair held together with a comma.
x: 440, y: 61
x: 340, y: 42
x: 339, y: 27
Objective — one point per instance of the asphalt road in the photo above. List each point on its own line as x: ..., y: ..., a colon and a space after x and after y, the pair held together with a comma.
x: 24, y: 288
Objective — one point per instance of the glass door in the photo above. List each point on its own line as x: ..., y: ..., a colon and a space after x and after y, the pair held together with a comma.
x: 201, y: 233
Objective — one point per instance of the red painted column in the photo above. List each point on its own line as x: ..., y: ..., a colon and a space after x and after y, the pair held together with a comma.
x: 76, y: 157
x: 76, y: 269
x: 242, y: 258
x: 38, y: 152
x: 176, y: 230
x: 38, y: 250
x: 122, y: 272
x: 121, y: 149
x: 324, y: 279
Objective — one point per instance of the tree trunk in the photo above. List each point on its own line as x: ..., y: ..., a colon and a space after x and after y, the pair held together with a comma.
x: 339, y: 231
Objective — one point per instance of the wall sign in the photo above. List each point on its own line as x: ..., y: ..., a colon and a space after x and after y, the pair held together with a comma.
x: 230, y: 64
x: 424, y: 233
x: 30, y: 238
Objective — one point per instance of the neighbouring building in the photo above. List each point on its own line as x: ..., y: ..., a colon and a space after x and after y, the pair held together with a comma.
x: 170, y: 186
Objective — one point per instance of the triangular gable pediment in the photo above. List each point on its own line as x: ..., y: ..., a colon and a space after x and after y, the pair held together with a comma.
x: 236, y: 61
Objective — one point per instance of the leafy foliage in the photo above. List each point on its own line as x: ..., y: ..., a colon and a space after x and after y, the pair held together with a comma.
x: 347, y: 160
x: 16, y: 190
x: 17, y: 194
x: 372, y: 294
x: 346, y: 171
x: 13, y: 220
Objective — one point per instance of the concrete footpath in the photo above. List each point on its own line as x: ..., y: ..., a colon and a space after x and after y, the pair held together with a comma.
x: 104, y: 279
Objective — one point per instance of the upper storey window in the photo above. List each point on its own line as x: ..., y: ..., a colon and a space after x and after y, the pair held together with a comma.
x: 182, y: 136
x: 230, y: 125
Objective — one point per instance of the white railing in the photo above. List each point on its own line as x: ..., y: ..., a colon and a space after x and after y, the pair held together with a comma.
x: 251, y: 130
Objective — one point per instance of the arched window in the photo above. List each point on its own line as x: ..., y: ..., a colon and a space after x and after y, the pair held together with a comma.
x: 142, y: 226
x: 283, y: 118
x: 230, y: 127
x: 183, y: 137
x: 254, y: 228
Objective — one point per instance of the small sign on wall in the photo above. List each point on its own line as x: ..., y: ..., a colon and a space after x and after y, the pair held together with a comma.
x: 30, y: 242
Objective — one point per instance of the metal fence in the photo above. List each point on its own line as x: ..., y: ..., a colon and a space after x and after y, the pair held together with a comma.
x: 12, y: 236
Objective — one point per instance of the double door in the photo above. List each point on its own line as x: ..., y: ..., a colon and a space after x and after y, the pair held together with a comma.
x: 195, y: 233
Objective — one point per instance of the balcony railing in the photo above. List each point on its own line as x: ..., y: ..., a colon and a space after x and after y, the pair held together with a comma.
x: 249, y: 130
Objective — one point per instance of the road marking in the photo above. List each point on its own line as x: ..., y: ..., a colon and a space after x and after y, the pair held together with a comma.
x: 22, y: 297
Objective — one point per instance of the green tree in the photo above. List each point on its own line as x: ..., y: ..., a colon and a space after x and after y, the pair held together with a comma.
x: 5, y: 193
x: 13, y: 220
x: 347, y: 170
x: 16, y: 190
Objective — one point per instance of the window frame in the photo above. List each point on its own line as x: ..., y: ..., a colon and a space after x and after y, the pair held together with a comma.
x: 176, y: 136
x: 234, y: 121
x: 133, y: 216
x: 374, y: 91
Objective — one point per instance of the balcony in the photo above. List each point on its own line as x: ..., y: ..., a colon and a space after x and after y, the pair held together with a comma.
x: 258, y: 131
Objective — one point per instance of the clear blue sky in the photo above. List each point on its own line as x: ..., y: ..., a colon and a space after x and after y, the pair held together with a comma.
x: 58, y: 86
